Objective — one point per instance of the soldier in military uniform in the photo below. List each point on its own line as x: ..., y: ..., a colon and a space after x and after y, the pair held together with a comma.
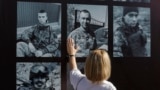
x: 130, y: 39
x: 83, y: 35
x: 39, y: 75
x: 39, y: 40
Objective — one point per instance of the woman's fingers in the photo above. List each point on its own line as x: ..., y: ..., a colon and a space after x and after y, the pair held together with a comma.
x: 70, y: 42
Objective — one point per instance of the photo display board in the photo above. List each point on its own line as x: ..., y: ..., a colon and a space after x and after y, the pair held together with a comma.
x: 121, y: 27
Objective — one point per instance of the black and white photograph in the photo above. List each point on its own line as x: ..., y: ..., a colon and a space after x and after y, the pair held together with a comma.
x: 88, y: 26
x: 131, y: 29
x: 38, y: 29
x: 139, y: 1
x: 55, y: 44
x: 38, y: 76
x: 80, y: 67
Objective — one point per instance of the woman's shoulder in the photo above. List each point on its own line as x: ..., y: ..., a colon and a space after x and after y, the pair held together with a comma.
x: 108, y: 85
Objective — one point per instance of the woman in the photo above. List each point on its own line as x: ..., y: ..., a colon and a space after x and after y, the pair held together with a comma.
x: 97, y: 70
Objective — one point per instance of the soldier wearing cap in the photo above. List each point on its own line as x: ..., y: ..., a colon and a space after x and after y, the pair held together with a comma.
x: 129, y: 38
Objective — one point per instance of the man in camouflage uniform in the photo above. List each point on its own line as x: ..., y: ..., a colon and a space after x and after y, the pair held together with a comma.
x: 129, y: 39
x: 39, y: 75
x: 83, y: 35
x: 39, y: 40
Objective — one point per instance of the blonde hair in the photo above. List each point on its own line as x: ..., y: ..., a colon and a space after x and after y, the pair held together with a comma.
x: 98, y: 66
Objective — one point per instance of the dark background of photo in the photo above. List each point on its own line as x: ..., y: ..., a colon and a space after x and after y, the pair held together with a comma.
x: 127, y: 73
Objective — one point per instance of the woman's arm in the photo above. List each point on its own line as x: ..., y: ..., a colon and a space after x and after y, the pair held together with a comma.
x: 72, y: 50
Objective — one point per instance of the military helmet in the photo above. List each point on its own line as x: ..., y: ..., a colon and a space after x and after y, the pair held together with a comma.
x: 39, y: 71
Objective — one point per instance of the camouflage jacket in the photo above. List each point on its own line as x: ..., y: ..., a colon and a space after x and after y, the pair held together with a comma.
x: 85, y: 40
x: 129, y: 42
x: 42, y: 37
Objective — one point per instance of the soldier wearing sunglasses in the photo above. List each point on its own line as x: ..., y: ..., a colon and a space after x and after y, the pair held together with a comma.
x: 39, y: 75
